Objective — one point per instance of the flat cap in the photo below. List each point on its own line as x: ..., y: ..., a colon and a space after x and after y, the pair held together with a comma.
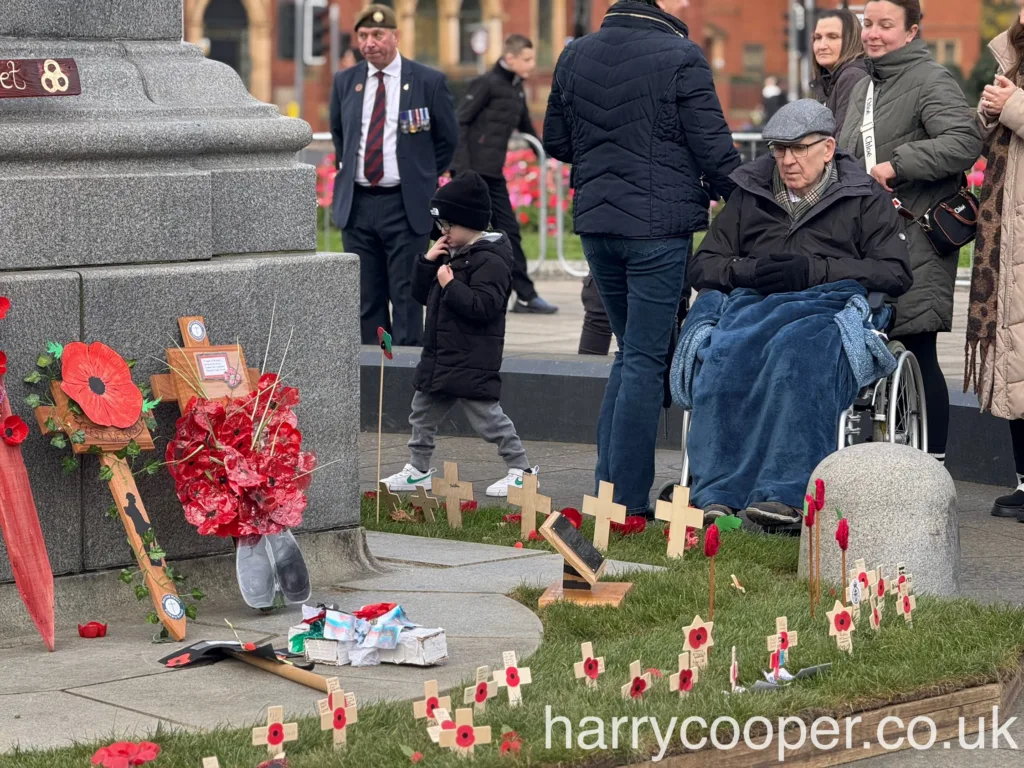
x: 798, y: 119
x: 379, y: 16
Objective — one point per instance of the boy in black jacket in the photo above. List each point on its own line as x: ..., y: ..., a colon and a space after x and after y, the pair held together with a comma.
x: 464, y: 280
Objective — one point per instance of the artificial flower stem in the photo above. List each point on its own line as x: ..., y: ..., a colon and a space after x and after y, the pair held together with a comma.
x: 817, y: 561
x: 266, y: 410
x: 842, y: 579
x: 810, y: 567
x: 318, y: 468
x: 380, y: 421
x: 711, y: 591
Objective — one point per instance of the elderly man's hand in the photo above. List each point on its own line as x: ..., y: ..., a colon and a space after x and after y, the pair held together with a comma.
x: 782, y: 273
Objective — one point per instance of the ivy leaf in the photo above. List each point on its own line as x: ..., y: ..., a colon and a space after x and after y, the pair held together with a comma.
x: 156, y: 552
x: 148, y: 405
x: 69, y: 464
x: 145, y: 390
x: 131, y: 363
x: 197, y: 594
x: 54, y: 349
x: 33, y: 401
x: 152, y: 618
x: 95, y: 450
x: 152, y: 467
x: 112, y: 512
x: 171, y: 573
x: 133, y: 449
x: 141, y: 592
x: 77, y: 437
x: 148, y: 537
x: 408, y: 751
x: 58, y: 441
x: 44, y: 360
x: 106, y: 474
x: 150, y: 423
x: 33, y: 378
x: 191, y: 611
x: 52, y: 425
x: 123, y: 453
x: 125, y: 576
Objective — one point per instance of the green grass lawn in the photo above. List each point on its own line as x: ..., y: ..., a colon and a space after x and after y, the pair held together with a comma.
x: 953, y: 644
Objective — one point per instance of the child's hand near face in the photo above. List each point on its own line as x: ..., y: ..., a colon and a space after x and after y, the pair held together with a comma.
x: 439, y: 249
x: 444, y: 275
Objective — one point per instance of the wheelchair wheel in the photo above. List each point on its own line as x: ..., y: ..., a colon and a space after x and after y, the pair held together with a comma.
x: 901, y: 416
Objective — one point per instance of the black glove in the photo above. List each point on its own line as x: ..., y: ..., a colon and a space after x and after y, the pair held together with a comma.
x: 782, y: 273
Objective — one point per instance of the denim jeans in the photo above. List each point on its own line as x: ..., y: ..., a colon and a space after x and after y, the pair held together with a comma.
x: 640, y: 282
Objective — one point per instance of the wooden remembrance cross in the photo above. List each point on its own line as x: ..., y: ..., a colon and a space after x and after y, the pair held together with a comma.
x: 454, y: 493
x: 530, y: 504
x: 604, y: 511
x: 679, y: 515
x: 168, y: 606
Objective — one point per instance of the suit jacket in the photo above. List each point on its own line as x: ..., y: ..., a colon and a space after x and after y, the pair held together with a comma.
x: 422, y: 156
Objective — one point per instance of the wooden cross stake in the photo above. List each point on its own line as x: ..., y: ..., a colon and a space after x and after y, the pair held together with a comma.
x: 874, y: 614
x: 485, y: 689
x: 604, y: 511
x: 906, y: 603
x: 444, y: 721
x: 425, y: 502
x: 780, y: 643
x: 639, y: 682
x: 513, y: 678
x: 840, y: 626
x: 589, y: 668
x: 275, y: 733
x: 902, y: 577
x: 337, y: 712
x: 857, y: 591
x: 430, y: 702
x: 464, y: 737
x: 454, y: 493
x: 734, y: 672
x: 679, y: 515
x: 683, y: 680
x: 878, y: 586
x: 530, y: 504
x: 697, y: 639
x: 386, y: 499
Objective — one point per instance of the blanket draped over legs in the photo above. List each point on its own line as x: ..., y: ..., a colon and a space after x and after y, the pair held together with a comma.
x: 770, y: 385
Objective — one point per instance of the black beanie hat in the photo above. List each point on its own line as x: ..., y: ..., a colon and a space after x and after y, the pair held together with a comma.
x: 465, y: 201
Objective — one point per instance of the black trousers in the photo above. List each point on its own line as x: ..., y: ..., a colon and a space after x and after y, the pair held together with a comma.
x: 936, y: 393
x: 503, y: 219
x: 378, y: 232
x: 596, y: 338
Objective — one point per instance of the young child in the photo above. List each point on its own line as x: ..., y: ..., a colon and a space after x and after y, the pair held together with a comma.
x: 465, y: 281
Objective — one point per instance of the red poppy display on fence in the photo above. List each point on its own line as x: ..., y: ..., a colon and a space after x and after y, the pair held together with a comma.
x: 99, y: 380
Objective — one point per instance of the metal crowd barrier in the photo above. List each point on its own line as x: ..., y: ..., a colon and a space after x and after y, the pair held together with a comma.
x: 749, y: 144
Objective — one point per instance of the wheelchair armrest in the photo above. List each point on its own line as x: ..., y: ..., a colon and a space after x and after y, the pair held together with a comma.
x: 876, y: 301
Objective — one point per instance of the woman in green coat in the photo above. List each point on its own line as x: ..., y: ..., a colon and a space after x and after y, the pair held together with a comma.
x: 925, y: 137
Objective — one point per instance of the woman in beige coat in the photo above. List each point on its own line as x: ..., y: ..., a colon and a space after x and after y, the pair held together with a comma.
x: 995, y: 324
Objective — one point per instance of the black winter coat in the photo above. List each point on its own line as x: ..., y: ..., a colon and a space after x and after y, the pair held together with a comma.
x: 853, y: 233
x: 493, y: 108
x: 633, y: 108
x: 833, y: 89
x: 465, y: 330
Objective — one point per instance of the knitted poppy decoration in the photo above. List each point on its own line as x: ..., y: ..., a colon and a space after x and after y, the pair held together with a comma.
x: 809, y: 510
x: 711, y: 541
x: 819, y: 494
x: 843, y: 533
x: 634, y: 524
x: 13, y: 430
x: 573, y: 516
x: 99, y: 380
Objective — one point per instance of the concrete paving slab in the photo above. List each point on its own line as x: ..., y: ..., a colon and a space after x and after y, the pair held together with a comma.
x: 421, y: 550
x: 126, y: 652
x: 56, y: 719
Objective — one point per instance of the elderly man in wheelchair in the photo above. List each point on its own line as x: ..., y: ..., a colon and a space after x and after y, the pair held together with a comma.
x: 782, y: 337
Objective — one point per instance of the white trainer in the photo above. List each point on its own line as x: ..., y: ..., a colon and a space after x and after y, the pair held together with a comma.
x: 408, y: 479
x: 514, y: 478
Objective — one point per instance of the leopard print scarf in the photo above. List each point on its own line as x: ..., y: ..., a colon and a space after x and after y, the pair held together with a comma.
x: 981, y: 314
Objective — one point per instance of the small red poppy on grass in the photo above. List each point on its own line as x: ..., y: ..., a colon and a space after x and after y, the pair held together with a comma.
x: 654, y: 672
x: 481, y: 693
x: 636, y: 690
x: 591, y: 668
x: 698, y: 637
x: 573, y: 516
x: 534, y: 536
x: 340, y: 720
x: 99, y: 380
x: 518, y: 545
x: 275, y: 734
x: 469, y: 506
x: 512, y: 518
x: 634, y: 524
x: 464, y: 736
x: 5, y: 306
x: 14, y: 430
x: 415, y: 757
x: 123, y: 754
x: 512, y: 677
x: 3, y: 363
x: 371, y: 495
x: 842, y: 621
x: 510, y: 743
x: 686, y: 680
x: 432, y: 704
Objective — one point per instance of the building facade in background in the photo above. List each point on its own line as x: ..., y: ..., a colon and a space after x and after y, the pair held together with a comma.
x: 744, y: 40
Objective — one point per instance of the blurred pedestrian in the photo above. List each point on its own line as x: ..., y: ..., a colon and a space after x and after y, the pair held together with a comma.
x: 995, y: 330
x: 633, y: 108
x: 921, y: 139
x: 773, y: 98
x: 495, y: 105
x: 394, y: 130
x: 839, y: 60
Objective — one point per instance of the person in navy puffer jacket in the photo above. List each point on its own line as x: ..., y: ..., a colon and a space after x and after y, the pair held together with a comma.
x: 633, y: 108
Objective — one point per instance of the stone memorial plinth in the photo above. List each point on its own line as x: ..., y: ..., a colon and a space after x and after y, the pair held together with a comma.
x: 901, y: 505
x: 163, y: 190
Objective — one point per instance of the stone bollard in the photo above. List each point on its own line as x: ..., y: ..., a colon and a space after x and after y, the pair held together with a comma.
x: 901, y: 505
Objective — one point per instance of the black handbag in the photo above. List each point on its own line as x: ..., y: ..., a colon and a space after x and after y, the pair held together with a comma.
x: 950, y: 224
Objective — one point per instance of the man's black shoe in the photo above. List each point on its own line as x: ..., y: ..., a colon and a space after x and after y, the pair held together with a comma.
x: 535, y: 306
x: 714, y: 511
x: 770, y: 514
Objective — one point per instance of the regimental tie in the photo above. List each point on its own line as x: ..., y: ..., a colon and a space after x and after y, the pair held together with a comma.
x: 373, y: 160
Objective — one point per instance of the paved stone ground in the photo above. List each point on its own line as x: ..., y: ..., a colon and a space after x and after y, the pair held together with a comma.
x: 560, y: 333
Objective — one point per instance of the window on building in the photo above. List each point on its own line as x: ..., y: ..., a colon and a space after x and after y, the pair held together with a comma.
x: 946, y: 52
x: 471, y: 16
x: 426, y: 32
x: 544, y: 43
x: 226, y: 26
x: 753, y: 59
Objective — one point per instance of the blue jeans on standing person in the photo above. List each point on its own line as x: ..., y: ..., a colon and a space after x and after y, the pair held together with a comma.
x: 640, y: 282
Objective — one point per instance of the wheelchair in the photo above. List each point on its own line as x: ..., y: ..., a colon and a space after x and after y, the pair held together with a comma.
x: 891, y: 410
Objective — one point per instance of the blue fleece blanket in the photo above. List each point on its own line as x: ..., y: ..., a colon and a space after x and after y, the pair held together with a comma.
x: 767, y: 378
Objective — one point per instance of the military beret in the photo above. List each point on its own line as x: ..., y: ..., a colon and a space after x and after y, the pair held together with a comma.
x: 798, y: 119
x: 378, y: 16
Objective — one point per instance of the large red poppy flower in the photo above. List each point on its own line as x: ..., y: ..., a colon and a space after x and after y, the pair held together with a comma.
x: 464, y: 736
x: 340, y: 720
x: 591, y: 667
x: 842, y: 621
x: 98, y: 379
x: 481, y: 693
x: 3, y: 363
x: 636, y: 690
x: 512, y: 677
x: 698, y: 637
x: 13, y: 430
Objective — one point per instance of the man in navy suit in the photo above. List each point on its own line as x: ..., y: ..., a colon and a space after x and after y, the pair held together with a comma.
x: 394, y: 130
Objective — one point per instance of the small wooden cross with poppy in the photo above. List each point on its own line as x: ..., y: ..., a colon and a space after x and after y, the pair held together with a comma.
x: 485, y: 689
x: 604, y: 511
x: 389, y: 501
x: 275, y: 733
x: 464, y: 737
x: 902, y: 577
x: 840, y: 626
x: 906, y: 603
x: 444, y: 722
x: 878, y: 586
x: 875, y: 614
x: 431, y: 701
x: 683, y: 680
x: 424, y: 501
x: 513, y: 678
x: 639, y: 682
x: 454, y: 493
x: 679, y: 515
x: 697, y: 639
x: 337, y: 712
x: 781, y: 642
x: 530, y: 503
x: 858, y: 589
x: 590, y: 667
